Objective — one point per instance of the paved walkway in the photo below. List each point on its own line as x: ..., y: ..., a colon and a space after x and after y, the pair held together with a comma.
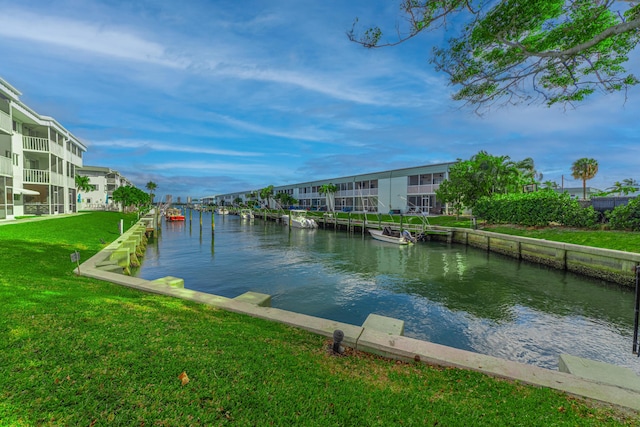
x: 37, y: 218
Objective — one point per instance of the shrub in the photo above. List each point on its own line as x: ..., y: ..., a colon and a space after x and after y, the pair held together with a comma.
x: 626, y: 217
x: 535, y: 209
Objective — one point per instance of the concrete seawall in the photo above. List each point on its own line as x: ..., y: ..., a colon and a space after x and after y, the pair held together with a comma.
x: 611, y: 265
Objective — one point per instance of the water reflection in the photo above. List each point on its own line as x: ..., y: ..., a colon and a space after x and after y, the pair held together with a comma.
x: 448, y: 294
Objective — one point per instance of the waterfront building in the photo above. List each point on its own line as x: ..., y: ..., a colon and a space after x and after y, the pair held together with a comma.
x: 38, y: 160
x: 104, y: 181
x: 407, y: 191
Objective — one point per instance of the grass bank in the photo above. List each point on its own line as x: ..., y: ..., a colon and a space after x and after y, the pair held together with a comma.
x: 77, y: 351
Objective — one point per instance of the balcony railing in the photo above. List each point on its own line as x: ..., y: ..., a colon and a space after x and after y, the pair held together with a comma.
x: 422, y: 189
x: 357, y: 192
x: 5, y: 122
x: 5, y: 166
x: 36, y: 176
x: 33, y: 143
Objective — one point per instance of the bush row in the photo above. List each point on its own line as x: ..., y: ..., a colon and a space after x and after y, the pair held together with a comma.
x: 535, y: 209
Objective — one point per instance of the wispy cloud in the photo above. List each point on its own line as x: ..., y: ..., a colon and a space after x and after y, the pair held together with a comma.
x: 86, y: 36
x: 171, y: 148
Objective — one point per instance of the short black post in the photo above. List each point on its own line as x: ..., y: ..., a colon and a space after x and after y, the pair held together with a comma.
x: 338, y: 336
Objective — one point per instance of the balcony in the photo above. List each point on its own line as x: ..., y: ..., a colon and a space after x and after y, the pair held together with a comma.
x: 36, y: 176
x: 358, y: 192
x: 5, y: 123
x: 6, y: 168
x: 33, y: 143
x: 422, y: 189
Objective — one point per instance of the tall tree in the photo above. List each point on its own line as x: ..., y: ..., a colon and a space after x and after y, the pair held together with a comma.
x: 584, y: 169
x: 509, y: 51
x: 628, y: 185
x: 285, y: 200
x: 151, y: 186
x: 266, y: 193
x: 482, y: 175
x: 329, y: 190
x: 129, y: 196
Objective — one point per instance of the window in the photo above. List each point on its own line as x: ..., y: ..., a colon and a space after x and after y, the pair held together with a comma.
x: 413, y: 179
x: 426, y: 179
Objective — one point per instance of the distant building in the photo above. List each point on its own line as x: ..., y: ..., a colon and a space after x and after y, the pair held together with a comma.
x: 38, y: 160
x: 578, y: 192
x: 104, y: 181
x: 408, y: 190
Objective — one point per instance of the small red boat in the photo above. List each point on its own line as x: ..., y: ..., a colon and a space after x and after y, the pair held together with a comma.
x: 174, y: 215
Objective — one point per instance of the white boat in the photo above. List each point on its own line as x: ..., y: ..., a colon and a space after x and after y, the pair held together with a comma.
x: 392, y: 236
x: 222, y: 211
x: 299, y: 219
x: 246, y: 214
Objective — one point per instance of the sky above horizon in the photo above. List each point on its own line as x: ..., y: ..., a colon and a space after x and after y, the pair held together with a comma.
x: 213, y: 97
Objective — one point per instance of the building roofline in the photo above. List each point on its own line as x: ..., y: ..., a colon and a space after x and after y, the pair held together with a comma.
x: 10, y: 89
x: 38, y: 118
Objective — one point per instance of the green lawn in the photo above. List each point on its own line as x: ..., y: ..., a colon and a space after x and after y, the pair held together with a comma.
x: 77, y: 351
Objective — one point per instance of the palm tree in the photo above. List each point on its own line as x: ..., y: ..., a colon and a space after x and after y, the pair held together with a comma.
x: 625, y: 187
x: 83, y: 184
x: 266, y: 193
x: 584, y: 169
x: 528, y: 169
x: 631, y: 185
x: 151, y: 186
x: 328, y: 190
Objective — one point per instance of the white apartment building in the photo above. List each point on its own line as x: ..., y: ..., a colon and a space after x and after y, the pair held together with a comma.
x: 104, y: 182
x: 408, y: 190
x: 38, y: 160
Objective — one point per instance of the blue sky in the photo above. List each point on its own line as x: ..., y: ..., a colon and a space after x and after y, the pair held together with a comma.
x: 208, y: 97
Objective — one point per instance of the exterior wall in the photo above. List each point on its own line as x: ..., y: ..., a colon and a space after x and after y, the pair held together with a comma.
x: 38, y: 159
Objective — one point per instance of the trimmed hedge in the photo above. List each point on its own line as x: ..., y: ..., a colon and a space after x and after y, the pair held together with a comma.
x: 535, y: 209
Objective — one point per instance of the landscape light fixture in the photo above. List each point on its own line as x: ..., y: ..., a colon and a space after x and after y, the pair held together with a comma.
x: 338, y: 336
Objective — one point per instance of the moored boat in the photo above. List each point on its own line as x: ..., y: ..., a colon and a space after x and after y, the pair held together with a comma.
x: 173, y: 214
x: 246, y: 214
x: 392, y: 236
x: 299, y: 219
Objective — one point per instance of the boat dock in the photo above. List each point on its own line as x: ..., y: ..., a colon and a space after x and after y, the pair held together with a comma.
x: 357, y: 223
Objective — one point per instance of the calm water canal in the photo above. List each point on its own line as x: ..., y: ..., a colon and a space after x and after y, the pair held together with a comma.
x: 448, y: 294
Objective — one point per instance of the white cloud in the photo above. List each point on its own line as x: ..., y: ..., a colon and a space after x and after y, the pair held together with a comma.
x: 171, y: 147
x: 86, y: 36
